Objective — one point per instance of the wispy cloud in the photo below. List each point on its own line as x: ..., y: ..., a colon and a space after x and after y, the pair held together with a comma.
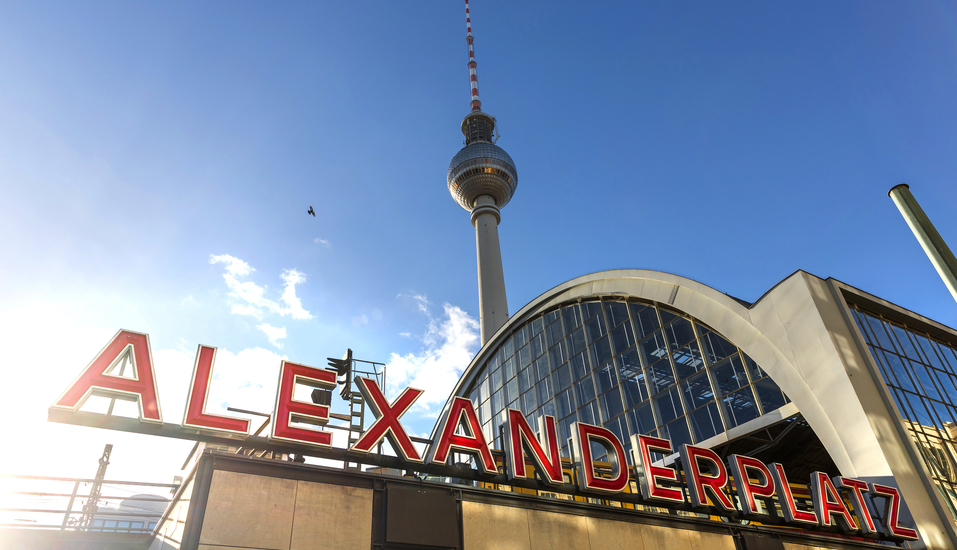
x: 323, y: 242
x: 275, y: 334
x: 450, y: 342
x: 252, y: 297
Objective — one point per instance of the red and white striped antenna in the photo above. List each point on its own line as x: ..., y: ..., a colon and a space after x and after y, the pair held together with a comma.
x: 473, y: 76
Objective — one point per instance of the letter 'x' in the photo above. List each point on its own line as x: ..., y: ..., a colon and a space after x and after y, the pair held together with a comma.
x: 387, y: 420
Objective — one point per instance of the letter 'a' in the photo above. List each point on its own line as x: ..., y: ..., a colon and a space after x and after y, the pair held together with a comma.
x: 99, y: 378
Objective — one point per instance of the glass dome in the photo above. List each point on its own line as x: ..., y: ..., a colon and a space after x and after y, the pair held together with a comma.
x: 632, y: 366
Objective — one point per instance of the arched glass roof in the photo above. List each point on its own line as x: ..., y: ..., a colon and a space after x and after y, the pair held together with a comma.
x: 632, y: 366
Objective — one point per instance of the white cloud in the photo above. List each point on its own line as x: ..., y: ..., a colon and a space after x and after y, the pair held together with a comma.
x: 252, y: 296
x: 323, y: 242
x: 275, y: 334
x: 450, y: 343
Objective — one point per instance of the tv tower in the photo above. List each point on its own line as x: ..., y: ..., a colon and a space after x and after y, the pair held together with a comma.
x: 482, y: 179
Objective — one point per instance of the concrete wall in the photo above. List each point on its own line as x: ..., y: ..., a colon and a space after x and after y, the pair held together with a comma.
x: 257, y: 504
x: 493, y: 527
x: 170, y: 534
x: 245, y: 511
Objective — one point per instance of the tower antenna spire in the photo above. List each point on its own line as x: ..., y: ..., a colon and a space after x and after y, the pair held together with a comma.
x: 473, y: 75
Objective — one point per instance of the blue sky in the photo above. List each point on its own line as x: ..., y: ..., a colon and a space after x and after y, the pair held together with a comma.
x: 157, y: 161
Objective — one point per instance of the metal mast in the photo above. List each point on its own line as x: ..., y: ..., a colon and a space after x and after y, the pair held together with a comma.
x: 473, y: 74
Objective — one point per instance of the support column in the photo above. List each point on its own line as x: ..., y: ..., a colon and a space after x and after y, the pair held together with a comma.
x: 493, y: 306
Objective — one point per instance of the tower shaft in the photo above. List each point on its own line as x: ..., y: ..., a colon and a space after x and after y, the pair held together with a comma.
x: 493, y: 304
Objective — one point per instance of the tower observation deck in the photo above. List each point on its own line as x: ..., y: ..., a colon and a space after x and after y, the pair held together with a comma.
x: 482, y: 178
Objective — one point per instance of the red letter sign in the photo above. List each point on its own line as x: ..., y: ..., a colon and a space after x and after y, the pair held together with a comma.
x: 196, y: 415
x: 98, y: 377
x: 855, y: 489
x: 289, y: 410
x: 791, y: 512
x: 700, y: 484
x: 462, y: 413
x: 518, y: 431
x: 582, y: 437
x: 642, y: 445
x: 892, y: 509
x: 387, y: 420
x: 829, y: 505
x: 740, y: 467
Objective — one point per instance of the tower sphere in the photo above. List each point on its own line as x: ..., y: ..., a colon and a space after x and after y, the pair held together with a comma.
x: 481, y: 167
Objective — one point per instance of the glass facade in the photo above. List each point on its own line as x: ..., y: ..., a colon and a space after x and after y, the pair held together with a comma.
x: 921, y: 373
x: 631, y: 366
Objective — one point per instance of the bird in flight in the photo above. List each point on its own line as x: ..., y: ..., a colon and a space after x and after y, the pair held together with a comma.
x: 311, y: 211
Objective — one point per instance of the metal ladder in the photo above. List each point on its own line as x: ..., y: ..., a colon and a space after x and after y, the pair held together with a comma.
x: 357, y: 410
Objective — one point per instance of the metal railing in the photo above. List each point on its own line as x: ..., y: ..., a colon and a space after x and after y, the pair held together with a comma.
x: 64, y: 505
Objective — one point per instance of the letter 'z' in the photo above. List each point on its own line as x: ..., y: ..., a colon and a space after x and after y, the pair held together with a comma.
x: 387, y: 420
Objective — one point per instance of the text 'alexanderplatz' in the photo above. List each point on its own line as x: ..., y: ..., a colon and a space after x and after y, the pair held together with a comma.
x: 708, y: 481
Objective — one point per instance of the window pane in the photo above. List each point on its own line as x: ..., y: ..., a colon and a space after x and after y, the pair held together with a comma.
x: 654, y: 348
x: 770, y: 394
x: 576, y: 341
x: 661, y: 375
x: 571, y: 317
x: 645, y: 319
x: 666, y: 316
x: 585, y: 390
x: 678, y: 433
x: 679, y: 333
x: 589, y: 413
x: 529, y: 403
x: 717, y: 348
x: 595, y: 328
x: 541, y: 369
x: 579, y: 367
x: 563, y: 377
x: 511, y: 389
x: 602, y: 349
x: 497, y: 402
x: 698, y: 391
x: 545, y: 390
x: 525, y: 356
x: 729, y: 375
x: 635, y: 390
x: 564, y: 404
x: 642, y: 420
x: 622, y: 337
x: 497, y: 379
x: 706, y: 422
x: 525, y: 380
x: 668, y: 406
x: 688, y: 360
x: 740, y: 407
x: 610, y: 404
x: 619, y: 427
x: 900, y: 372
x: 605, y: 377
x: 591, y: 308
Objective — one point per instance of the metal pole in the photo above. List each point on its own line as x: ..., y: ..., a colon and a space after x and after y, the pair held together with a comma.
x: 928, y: 237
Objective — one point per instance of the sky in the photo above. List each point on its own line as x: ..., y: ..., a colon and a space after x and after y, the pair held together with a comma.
x: 157, y: 161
